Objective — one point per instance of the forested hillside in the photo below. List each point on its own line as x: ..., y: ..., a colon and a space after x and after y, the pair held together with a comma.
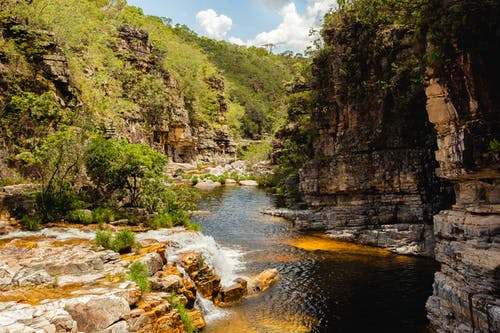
x: 105, y: 67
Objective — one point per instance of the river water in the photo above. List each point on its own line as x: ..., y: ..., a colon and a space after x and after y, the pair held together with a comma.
x: 326, y: 286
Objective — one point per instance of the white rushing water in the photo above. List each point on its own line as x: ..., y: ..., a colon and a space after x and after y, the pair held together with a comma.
x: 59, y: 233
x: 225, y: 262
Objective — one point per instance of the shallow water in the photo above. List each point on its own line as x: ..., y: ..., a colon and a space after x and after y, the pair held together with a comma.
x: 326, y: 286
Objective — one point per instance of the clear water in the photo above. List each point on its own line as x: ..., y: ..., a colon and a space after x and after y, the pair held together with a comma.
x: 325, y: 287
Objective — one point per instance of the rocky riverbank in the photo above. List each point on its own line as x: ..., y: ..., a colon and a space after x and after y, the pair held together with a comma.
x: 58, y: 280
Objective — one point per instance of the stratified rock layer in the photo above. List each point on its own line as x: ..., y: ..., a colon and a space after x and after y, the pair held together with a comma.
x: 466, y: 294
x: 372, y: 178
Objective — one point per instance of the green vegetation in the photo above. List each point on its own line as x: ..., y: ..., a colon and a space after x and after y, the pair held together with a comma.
x: 83, y: 216
x: 139, y: 274
x: 121, y: 242
x: 103, y: 238
x: 183, y: 312
x: 31, y: 222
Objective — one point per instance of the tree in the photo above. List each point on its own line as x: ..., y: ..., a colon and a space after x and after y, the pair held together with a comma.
x: 57, y: 163
x: 115, y: 164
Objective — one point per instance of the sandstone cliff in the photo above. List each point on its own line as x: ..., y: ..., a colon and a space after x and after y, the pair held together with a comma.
x: 121, y: 86
x: 371, y: 178
x: 463, y: 103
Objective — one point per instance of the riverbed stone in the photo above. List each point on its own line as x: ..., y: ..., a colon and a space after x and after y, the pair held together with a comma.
x: 263, y: 281
x: 232, y: 294
x: 248, y: 183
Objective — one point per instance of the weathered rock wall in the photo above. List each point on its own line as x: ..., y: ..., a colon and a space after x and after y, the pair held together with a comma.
x: 372, y: 177
x: 463, y: 103
x: 175, y: 131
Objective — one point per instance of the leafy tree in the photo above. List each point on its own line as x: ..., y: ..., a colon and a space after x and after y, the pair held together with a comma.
x: 57, y: 162
x: 115, y: 164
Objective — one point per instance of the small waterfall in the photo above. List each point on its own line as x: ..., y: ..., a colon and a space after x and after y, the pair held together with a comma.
x: 224, y: 261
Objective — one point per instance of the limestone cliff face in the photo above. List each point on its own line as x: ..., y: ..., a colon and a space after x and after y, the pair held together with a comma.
x: 174, y: 131
x: 463, y: 103
x: 372, y: 177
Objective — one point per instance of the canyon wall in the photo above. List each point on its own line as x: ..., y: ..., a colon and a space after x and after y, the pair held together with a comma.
x: 463, y: 103
x: 372, y: 177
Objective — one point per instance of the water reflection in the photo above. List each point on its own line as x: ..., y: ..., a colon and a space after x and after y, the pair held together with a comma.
x: 326, y: 286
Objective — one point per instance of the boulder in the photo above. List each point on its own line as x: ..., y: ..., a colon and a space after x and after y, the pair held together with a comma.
x: 248, y: 183
x: 232, y: 294
x: 153, y: 261
x: 197, y: 319
x: 97, y: 313
x: 263, y: 281
x: 207, y: 283
x: 166, y: 283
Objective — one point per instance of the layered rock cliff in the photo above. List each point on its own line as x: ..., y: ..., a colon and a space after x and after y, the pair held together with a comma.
x: 463, y: 103
x: 371, y: 178
x: 118, y: 84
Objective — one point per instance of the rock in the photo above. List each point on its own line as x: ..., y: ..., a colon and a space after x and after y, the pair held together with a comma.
x: 119, y: 327
x: 230, y: 181
x: 248, y: 183
x: 207, y: 184
x: 232, y: 294
x: 197, y: 319
x: 153, y: 261
x: 207, y: 283
x: 96, y: 313
x: 462, y: 103
x: 168, y: 283
x: 171, y: 323
x: 263, y: 281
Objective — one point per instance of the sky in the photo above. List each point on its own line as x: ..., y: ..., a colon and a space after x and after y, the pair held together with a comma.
x: 283, y: 23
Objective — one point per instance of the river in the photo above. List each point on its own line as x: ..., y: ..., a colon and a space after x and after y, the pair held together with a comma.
x: 326, y: 286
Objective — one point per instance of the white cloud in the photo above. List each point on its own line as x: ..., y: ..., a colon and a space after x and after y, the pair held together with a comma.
x: 236, y: 41
x: 213, y: 25
x: 276, y: 4
x: 293, y: 33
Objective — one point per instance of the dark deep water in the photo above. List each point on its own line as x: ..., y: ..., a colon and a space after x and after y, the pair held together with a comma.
x: 326, y: 286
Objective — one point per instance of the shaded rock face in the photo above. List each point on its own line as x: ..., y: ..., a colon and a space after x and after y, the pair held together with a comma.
x: 463, y: 103
x: 173, y: 131
x: 373, y: 165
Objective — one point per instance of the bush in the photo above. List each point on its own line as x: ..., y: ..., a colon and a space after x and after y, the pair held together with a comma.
x: 31, y: 222
x: 160, y: 221
x: 139, y: 274
x: 222, y: 179
x: 103, y: 238
x: 194, y: 180
x: 123, y: 241
x: 83, y: 216
x: 103, y: 215
x: 183, y: 312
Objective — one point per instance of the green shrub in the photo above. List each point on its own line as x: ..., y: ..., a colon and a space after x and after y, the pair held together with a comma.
x: 103, y: 215
x: 103, y: 238
x: 494, y: 146
x: 83, y: 216
x: 222, y: 179
x: 194, y: 180
x: 123, y: 241
x: 189, y: 225
x: 179, y: 218
x: 139, y: 274
x: 183, y: 312
x: 160, y: 221
x: 31, y: 222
